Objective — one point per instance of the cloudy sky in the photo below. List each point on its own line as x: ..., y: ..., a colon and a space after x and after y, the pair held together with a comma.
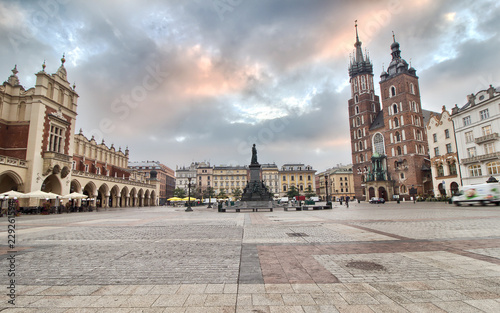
x: 202, y: 80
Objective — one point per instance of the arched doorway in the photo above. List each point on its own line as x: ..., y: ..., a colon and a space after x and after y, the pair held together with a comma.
x: 124, y: 197
x: 454, y: 188
x: 52, y: 184
x: 382, y: 193
x: 113, y: 197
x: 371, y: 192
x: 133, y: 197
x: 10, y: 181
x: 102, y: 195
x: 442, y: 190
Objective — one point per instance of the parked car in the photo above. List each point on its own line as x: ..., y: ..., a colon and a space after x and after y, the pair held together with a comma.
x: 377, y: 200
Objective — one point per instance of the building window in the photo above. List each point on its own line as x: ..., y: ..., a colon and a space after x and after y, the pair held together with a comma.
x: 284, y: 178
x: 394, y: 108
x: 399, y: 150
x: 55, y: 139
x: 448, y: 148
x: 73, y: 165
x: 292, y: 178
x: 440, y: 170
x: 356, y: 99
x: 467, y: 120
x: 436, y: 151
x: 356, y: 110
x: 493, y: 168
x: 484, y: 114
x: 471, y: 152
x: 398, y: 137
x: 412, y: 89
x: 453, y: 169
x: 489, y: 148
x: 475, y: 170
x: 447, y: 133
x: 486, y: 130
x: 469, y: 137
x: 393, y: 91
x: 396, y: 122
x: 284, y: 188
x: 435, y: 137
x: 86, y: 167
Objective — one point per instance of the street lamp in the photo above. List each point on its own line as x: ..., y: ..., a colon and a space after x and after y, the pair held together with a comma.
x: 189, y: 209
x: 209, y: 198
x: 326, y: 188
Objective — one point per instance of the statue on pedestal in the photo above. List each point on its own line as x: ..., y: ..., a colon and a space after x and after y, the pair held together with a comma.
x: 254, y: 155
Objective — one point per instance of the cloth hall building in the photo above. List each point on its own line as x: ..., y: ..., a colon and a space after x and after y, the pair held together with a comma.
x: 39, y: 149
x: 388, y: 139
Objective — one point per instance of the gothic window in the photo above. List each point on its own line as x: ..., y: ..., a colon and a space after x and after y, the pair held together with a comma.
x: 396, y: 122
x: 363, y: 83
x: 358, y: 121
x: 398, y: 137
x: 393, y: 91
x: 371, y: 96
x: 394, y: 108
x: 378, y: 143
x: 356, y: 84
x: 361, y: 158
x: 419, y: 135
x: 356, y: 109
x: 360, y: 145
x: 399, y: 150
x: 356, y: 99
x: 412, y: 89
x: 359, y: 133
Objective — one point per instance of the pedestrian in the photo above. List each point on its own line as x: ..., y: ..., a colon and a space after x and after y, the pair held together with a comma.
x: 347, y: 201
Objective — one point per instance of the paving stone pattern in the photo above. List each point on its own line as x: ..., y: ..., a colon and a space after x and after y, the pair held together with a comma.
x: 424, y: 257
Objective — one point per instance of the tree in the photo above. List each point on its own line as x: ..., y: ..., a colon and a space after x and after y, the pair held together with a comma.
x: 237, y: 194
x: 222, y: 194
x: 292, y: 192
x: 309, y: 192
x: 209, y: 192
x: 179, y: 193
x: 196, y: 193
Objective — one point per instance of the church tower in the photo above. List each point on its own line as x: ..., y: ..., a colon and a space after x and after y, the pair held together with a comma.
x: 364, y: 106
x: 404, y: 135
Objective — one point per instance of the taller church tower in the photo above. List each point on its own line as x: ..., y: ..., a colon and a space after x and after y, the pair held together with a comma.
x: 364, y: 106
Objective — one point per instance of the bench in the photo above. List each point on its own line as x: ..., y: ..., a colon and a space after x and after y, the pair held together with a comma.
x: 237, y: 209
x: 308, y: 207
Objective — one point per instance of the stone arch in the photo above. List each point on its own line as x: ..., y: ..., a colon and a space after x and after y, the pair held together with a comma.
x: 102, y: 196
x: 133, y: 197
x: 454, y: 188
x: 10, y: 180
x: 382, y: 193
x: 153, y: 198
x: 124, y: 197
x: 147, y: 198
x: 52, y: 184
x: 140, y: 195
x: 371, y: 192
x: 75, y: 186
x: 114, y: 197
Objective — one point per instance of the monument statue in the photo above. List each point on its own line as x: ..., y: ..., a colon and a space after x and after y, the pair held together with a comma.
x: 254, y: 155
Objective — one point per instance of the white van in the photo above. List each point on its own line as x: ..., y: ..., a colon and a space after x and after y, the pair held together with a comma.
x: 284, y: 200
x: 481, y: 194
x: 315, y: 199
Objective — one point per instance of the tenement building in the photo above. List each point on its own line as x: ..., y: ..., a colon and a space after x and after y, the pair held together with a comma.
x: 477, y: 125
x: 388, y: 141
x: 444, y: 157
x: 338, y: 182
x: 40, y: 151
x: 270, y: 176
x: 297, y: 176
x: 165, y: 176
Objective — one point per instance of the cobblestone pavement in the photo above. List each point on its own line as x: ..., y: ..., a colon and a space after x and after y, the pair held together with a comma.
x: 423, y: 257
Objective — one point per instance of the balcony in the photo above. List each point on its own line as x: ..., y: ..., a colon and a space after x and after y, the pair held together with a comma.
x: 13, y: 161
x: 55, y: 163
x: 485, y: 138
x: 480, y: 158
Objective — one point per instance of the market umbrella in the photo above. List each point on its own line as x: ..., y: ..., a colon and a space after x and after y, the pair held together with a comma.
x: 75, y: 195
x: 40, y: 195
x: 12, y: 194
x: 174, y: 199
x: 188, y: 199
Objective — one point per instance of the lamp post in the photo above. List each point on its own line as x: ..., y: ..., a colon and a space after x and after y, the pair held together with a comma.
x: 189, y: 209
x: 209, y: 198
x: 326, y: 188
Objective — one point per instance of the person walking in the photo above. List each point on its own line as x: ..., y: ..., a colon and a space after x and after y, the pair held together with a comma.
x: 347, y: 201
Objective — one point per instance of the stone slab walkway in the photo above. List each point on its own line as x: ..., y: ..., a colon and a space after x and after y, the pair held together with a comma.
x: 423, y: 257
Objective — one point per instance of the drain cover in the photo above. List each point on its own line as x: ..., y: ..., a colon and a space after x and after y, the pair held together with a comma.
x: 297, y: 234
x: 366, y: 266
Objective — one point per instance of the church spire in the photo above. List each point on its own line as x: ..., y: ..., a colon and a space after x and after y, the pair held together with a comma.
x: 357, y: 45
x: 359, y: 64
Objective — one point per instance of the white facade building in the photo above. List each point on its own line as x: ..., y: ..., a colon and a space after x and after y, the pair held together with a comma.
x: 445, y: 169
x: 477, y: 125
